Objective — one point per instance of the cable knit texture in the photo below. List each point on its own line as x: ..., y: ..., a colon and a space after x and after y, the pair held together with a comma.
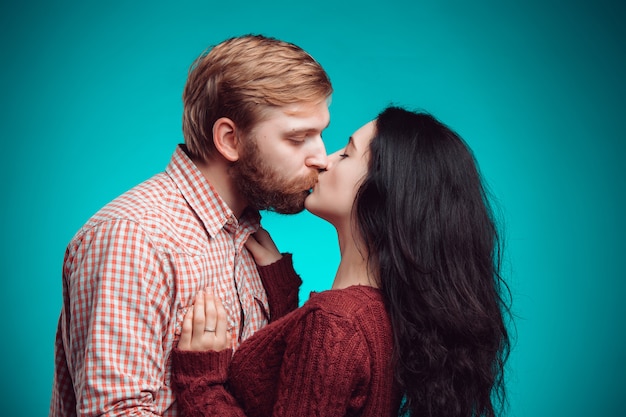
x: 331, y: 357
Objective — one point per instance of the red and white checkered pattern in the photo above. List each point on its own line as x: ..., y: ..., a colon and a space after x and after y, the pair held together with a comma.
x: 130, y: 274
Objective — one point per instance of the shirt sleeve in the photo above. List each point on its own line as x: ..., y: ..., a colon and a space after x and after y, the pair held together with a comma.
x: 325, y: 369
x: 116, y: 317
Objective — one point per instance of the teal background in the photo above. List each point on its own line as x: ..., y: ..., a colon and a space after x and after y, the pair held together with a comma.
x: 90, y: 96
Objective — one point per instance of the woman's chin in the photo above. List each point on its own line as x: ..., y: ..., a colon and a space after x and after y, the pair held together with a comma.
x: 309, y: 202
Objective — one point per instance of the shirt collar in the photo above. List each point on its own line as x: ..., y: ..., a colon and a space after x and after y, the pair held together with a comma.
x: 210, y: 208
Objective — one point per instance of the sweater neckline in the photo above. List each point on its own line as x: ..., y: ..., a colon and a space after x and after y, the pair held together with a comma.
x: 357, y: 288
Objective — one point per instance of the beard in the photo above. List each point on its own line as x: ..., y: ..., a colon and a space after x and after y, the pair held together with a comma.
x: 263, y: 186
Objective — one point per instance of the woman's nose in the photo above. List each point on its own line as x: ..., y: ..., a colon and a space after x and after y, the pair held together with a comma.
x: 332, y: 159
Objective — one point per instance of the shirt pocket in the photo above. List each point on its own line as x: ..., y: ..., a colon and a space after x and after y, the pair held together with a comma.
x: 256, y: 312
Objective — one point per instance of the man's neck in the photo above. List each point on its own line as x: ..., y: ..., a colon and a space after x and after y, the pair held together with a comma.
x: 216, y: 173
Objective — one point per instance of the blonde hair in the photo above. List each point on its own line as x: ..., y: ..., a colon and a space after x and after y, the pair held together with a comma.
x: 241, y: 77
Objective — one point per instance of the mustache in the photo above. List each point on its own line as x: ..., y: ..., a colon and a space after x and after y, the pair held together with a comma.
x: 301, y: 184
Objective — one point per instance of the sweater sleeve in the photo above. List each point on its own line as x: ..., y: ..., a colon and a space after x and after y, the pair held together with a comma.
x: 325, y: 370
x: 198, y: 380
x: 282, y: 284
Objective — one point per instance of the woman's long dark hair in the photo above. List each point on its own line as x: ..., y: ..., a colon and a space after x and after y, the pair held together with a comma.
x: 429, y: 230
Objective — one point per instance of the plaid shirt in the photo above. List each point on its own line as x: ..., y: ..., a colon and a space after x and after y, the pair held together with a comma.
x: 130, y: 274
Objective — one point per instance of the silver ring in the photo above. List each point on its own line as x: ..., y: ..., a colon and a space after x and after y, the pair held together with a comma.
x: 209, y: 330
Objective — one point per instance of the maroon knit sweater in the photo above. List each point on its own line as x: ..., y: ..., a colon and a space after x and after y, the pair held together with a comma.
x: 331, y: 357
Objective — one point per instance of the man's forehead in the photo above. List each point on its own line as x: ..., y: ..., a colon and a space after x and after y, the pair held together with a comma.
x: 300, y: 117
x: 303, y: 108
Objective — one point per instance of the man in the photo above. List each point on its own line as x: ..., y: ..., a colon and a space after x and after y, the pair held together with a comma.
x: 254, y: 111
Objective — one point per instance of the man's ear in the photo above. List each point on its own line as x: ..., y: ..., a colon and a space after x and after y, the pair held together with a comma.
x: 225, y: 138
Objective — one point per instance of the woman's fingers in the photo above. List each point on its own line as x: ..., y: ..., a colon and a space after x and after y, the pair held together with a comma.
x: 198, y: 322
x: 210, y: 313
x: 185, y: 337
x: 263, y: 248
x: 205, y: 326
x: 264, y: 238
x: 222, y: 333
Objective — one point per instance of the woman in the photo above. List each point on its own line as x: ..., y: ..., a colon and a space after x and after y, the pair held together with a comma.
x: 414, y: 320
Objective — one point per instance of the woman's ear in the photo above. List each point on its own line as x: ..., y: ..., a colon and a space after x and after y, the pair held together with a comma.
x: 225, y: 138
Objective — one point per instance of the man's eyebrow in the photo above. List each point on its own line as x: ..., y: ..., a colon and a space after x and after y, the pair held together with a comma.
x: 302, y: 130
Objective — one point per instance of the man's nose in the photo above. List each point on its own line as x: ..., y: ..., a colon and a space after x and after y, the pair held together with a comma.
x: 317, y: 157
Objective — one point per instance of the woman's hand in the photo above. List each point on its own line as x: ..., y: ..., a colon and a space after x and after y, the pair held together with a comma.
x: 205, y: 326
x: 263, y: 248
